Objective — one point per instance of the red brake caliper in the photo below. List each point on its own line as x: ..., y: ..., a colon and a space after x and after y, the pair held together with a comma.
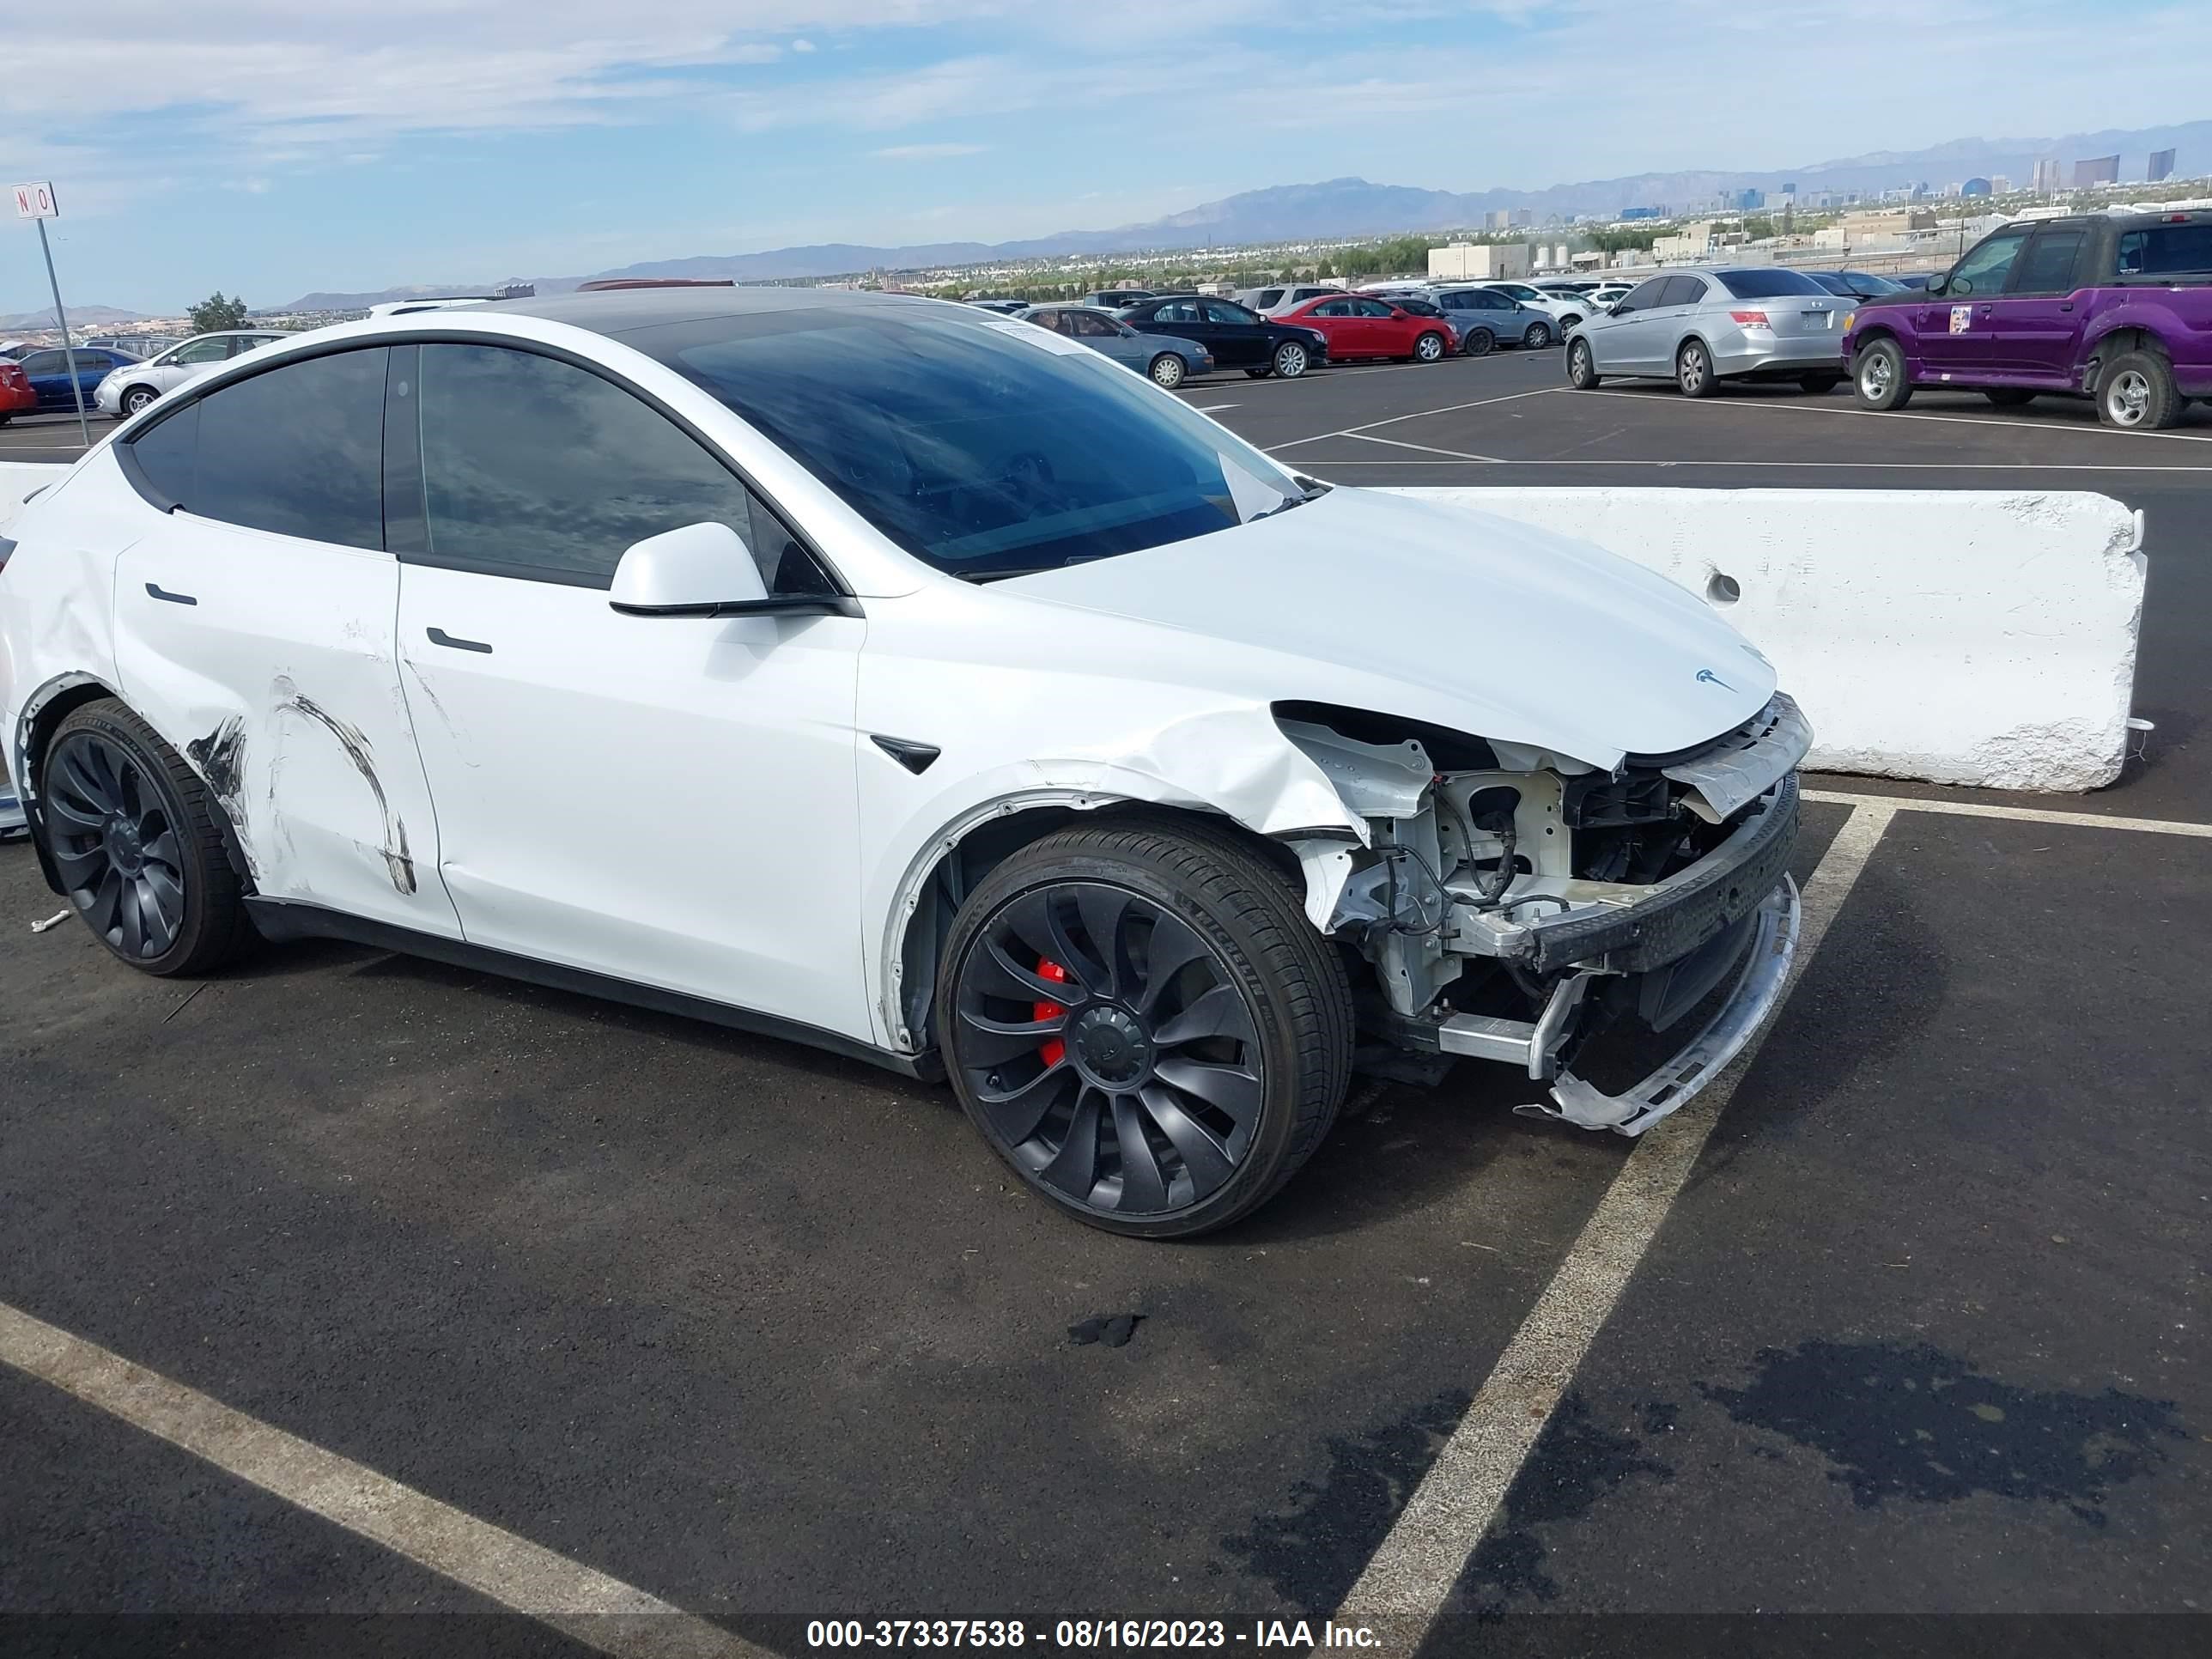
x: 1054, y: 1050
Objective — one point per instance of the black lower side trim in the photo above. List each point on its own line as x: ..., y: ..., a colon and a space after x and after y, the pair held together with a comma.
x: 281, y: 919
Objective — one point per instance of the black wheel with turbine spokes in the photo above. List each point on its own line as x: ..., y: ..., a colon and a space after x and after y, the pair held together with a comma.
x: 1144, y: 1025
x: 133, y: 839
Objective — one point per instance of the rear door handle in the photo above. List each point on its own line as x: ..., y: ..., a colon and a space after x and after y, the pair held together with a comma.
x: 439, y: 636
x: 173, y: 599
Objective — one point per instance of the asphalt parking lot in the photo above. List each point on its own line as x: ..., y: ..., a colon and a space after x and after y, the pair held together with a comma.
x: 470, y: 1295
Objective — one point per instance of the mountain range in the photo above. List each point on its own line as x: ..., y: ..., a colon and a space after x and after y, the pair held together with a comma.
x: 81, y: 317
x: 1339, y: 208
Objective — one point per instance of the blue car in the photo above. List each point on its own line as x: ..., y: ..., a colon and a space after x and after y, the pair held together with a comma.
x: 48, y: 371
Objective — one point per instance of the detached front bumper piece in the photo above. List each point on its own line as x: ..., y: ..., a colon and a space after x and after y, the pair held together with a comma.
x: 1758, y: 986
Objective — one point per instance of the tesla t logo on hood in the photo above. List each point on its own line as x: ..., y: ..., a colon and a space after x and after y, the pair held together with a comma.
x: 1706, y: 676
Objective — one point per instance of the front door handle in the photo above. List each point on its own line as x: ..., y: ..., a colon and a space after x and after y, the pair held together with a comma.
x: 2066, y: 305
x: 173, y: 599
x: 439, y: 636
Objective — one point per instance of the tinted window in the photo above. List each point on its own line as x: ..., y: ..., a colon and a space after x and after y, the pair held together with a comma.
x: 1370, y: 308
x: 534, y: 467
x: 977, y: 449
x: 46, y: 362
x: 1267, y: 296
x: 1833, y: 282
x: 1225, y: 311
x: 298, y: 450
x: 1984, y: 271
x: 2164, y: 249
x: 2048, y: 265
x: 1682, y: 291
x: 1181, y: 311
x: 1769, y: 284
x: 1644, y: 296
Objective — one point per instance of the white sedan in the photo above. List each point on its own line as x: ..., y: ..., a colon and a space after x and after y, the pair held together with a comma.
x: 876, y: 673
x: 134, y: 386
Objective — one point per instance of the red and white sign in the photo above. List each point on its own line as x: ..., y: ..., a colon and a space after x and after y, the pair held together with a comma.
x: 36, y: 202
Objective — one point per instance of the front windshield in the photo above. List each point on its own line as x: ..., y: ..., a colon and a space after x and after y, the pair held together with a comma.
x: 983, y: 448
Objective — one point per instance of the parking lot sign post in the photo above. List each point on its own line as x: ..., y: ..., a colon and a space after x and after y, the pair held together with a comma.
x: 36, y: 202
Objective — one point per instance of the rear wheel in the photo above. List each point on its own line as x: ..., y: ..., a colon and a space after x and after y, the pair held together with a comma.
x: 1582, y: 366
x: 1478, y: 343
x: 2137, y: 392
x: 1820, y: 385
x: 1144, y: 1026
x: 1538, y: 337
x: 2009, y: 397
x: 1429, y: 348
x: 1291, y: 360
x: 136, y: 842
x: 1878, y: 376
x: 1693, y: 369
x: 1167, y: 370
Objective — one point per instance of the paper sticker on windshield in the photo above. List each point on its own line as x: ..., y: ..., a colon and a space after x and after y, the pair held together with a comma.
x: 1040, y: 337
x: 1962, y: 319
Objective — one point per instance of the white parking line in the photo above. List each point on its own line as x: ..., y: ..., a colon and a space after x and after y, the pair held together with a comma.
x: 1213, y: 409
x: 1786, y: 466
x: 1809, y: 408
x: 1409, y: 1577
x: 1967, y: 809
x: 601, y: 1613
x: 1396, y: 443
x: 1418, y: 415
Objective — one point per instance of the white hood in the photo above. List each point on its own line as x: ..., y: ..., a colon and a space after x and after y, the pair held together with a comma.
x: 1438, y: 613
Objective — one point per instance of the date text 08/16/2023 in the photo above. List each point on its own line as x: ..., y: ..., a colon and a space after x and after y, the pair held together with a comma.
x: 1087, y: 1634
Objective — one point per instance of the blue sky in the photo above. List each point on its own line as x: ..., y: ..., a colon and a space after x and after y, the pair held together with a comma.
x: 265, y: 147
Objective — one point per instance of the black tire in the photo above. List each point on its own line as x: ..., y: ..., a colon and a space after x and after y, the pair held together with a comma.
x: 136, y: 397
x: 1693, y: 369
x: 1430, y: 347
x: 167, y: 856
x: 1275, y: 993
x: 1819, y: 385
x: 1879, y: 377
x: 1167, y: 370
x: 1291, y: 360
x: 1260, y: 372
x: 2136, y: 393
x: 1567, y: 323
x: 1538, y: 338
x: 2009, y: 397
x: 1582, y: 366
x: 1478, y: 343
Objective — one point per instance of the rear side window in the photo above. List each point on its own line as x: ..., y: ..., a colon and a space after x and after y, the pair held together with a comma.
x: 297, y: 450
x: 2163, y: 250
x: 532, y: 467
x: 2047, y: 267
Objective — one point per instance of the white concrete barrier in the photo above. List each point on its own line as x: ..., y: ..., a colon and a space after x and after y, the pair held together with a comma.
x: 17, y: 480
x: 1958, y: 636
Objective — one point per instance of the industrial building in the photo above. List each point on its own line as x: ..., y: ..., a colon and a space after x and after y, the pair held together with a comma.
x: 1487, y: 262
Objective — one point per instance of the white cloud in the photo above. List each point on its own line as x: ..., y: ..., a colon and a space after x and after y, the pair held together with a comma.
x: 927, y: 152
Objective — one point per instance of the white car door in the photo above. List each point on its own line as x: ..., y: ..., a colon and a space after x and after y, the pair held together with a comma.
x: 253, y: 627
x: 669, y: 800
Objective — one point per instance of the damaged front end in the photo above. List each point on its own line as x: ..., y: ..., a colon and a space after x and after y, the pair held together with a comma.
x: 1516, y: 904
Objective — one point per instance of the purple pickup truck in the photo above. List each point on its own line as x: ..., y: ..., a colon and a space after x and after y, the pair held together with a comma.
x: 2114, y: 306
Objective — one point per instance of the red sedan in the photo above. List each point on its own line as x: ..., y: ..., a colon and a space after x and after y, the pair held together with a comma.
x: 16, y: 397
x: 1358, y: 326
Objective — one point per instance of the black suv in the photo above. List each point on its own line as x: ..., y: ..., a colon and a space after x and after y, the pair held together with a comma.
x: 1237, y: 337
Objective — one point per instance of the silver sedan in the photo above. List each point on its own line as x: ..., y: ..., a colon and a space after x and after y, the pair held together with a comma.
x: 1169, y: 361
x: 1700, y: 328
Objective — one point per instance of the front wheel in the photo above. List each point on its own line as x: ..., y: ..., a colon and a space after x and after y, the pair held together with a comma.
x: 1478, y: 343
x: 2136, y: 393
x: 1291, y: 360
x: 137, y: 398
x: 1538, y: 337
x: 1879, y: 377
x: 1429, y: 348
x: 1582, y: 366
x: 1143, y: 1025
x: 1693, y: 369
x: 1167, y: 370
x: 135, y: 840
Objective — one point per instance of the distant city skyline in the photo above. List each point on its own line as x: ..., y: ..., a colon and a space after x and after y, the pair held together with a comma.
x: 258, y: 145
